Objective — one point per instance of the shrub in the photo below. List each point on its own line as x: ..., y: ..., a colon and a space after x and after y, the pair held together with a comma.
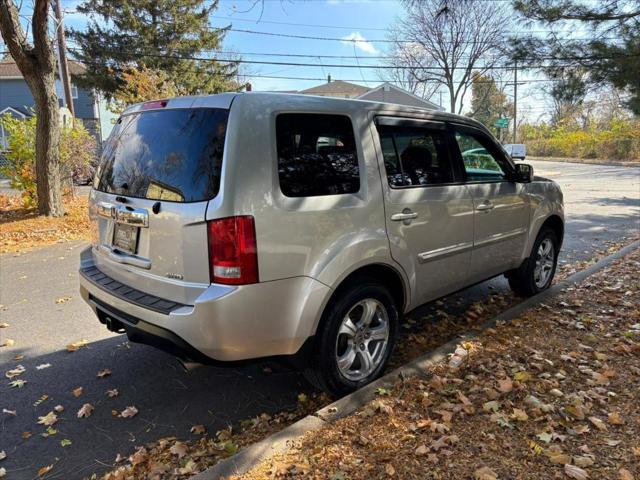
x: 617, y: 138
x: 77, y: 155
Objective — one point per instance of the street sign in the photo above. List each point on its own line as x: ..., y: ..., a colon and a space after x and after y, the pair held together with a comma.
x: 502, y: 123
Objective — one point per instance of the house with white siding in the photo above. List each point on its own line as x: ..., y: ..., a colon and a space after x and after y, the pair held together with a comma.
x: 385, y: 92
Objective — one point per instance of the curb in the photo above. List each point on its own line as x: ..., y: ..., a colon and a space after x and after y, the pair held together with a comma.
x: 249, y: 457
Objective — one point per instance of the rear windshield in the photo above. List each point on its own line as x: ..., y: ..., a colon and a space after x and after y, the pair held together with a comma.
x: 173, y: 155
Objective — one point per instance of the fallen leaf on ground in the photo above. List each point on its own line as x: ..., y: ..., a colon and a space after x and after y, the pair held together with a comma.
x: 388, y: 468
x: 599, y: 424
x: 85, y: 410
x: 198, y: 429
x: 139, y: 456
x: 130, y: 411
x: 625, y: 474
x: 4, y: 325
x: 3, y: 472
x: 17, y: 383
x: 421, y: 450
x: 9, y: 412
x: 615, y: 419
x: 43, y: 366
x: 8, y: 343
x: 545, y: 437
x: 62, y: 300
x: 505, y: 385
x: 75, y: 346
x: 113, y: 392
x: 77, y: 391
x: 44, y: 470
x: 14, y: 372
x: 48, y: 420
x: 58, y: 409
x: 65, y: 442
x: 491, y: 406
x: 103, y: 373
x: 520, y: 415
x: 576, y: 473
x: 485, y: 473
x: 40, y: 400
x: 522, y: 376
x: 179, y: 449
x: 3, y: 455
x: 25, y: 435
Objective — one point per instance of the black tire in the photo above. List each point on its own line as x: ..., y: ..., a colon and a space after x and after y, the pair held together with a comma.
x: 322, y: 370
x: 522, y: 280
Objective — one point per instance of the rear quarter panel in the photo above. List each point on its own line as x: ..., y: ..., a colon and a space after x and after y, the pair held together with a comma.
x: 321, y: 237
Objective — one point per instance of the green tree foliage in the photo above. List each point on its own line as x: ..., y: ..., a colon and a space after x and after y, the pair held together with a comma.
x: 171, y: 36
x: 611, y: 54
x: 488, y: 102
x: 77, y: 153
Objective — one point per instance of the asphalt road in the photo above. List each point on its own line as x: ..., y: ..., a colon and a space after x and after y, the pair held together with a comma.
x: 602, y: 205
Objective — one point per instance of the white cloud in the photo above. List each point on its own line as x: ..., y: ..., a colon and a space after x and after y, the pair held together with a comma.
x: 355, y: 38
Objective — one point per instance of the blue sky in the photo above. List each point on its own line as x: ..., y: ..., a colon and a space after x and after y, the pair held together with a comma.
x: 355, y: 19
x: 360, y: 19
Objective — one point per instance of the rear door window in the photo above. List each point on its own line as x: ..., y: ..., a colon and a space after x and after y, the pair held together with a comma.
x: 415, y: 156
x: 316, y: 155
x: 173, y: 155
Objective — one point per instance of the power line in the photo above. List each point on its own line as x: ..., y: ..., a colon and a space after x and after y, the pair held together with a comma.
x: 349, y: 40
x: 376, y: 67
x: 315, y: 79
x: 352, y: 27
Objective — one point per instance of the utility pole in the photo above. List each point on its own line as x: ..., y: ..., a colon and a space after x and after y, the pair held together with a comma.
x: 62, y: 58
x: 515, y: 101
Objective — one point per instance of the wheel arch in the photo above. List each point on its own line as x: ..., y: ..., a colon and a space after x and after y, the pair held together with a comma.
x: 555, y: 223
x: 385, y: 274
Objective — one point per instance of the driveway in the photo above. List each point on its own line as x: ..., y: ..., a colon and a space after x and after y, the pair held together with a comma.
x: 39, y: 294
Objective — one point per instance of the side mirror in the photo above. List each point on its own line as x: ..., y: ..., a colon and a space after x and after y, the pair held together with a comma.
x: 524, y: 173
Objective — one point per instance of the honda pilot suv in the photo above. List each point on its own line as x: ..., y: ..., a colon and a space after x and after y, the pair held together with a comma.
x: 238, y: 226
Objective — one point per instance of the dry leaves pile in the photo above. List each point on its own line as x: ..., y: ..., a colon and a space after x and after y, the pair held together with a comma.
x: 23, y: 229
x: 553, y: 394
x: 170, y: 458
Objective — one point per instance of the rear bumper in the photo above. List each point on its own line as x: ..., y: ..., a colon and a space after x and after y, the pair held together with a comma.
x: 224, y: 324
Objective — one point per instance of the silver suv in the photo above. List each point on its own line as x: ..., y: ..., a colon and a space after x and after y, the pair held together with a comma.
x: 236, y: 226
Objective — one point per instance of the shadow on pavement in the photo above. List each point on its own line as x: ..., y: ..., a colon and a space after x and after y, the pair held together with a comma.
x: 170, y: 401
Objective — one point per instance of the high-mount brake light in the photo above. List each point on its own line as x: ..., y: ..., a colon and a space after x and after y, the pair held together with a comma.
x: 154, y: 104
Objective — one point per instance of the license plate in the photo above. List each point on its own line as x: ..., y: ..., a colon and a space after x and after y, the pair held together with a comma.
x: 125, y: 238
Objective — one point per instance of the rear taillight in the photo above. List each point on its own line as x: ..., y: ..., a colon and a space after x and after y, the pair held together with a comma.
x: 233, y: 256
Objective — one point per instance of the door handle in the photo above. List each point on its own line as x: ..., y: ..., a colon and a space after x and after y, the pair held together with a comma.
x: 405, y: 215
x: 485, y: 206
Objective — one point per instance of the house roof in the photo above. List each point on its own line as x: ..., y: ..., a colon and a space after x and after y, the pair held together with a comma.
x: 391, y: 86
x: 336, y: 88
x: 9, y: 69
x: 21, y: 111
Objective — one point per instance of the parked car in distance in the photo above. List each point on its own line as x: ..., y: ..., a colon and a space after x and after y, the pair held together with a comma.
x: 518, y: 151
x: 237, y: 226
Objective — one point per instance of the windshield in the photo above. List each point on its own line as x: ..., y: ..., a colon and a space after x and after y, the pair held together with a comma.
x: 173, y: 155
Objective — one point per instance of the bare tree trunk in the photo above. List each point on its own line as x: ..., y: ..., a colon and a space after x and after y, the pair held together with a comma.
x: 49, y: 184
x: 37, y: 63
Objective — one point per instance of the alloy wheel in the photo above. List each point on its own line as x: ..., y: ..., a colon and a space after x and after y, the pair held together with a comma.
x: 362, y: 339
